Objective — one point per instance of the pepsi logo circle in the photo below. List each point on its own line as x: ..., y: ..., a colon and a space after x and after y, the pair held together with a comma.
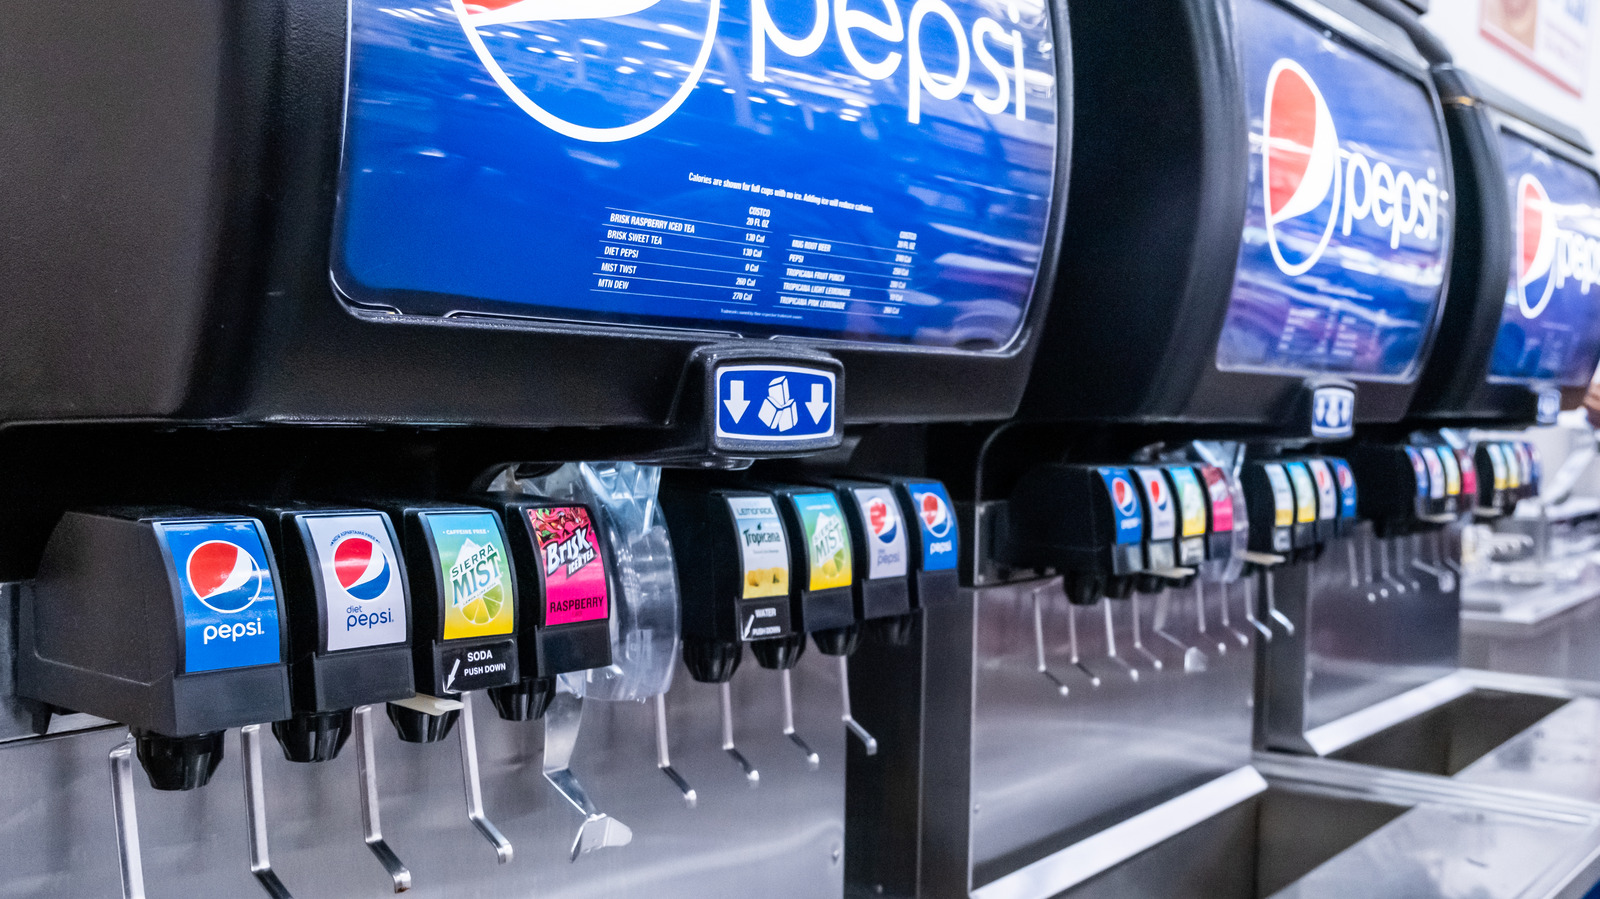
x: 1536, y: 246
x: 362, y: 567
x: 1345, y: 480
x: 1312, y: 186
x: 537, y: 47
x: 224, y: 576
x: 935, y: 514
x: 881, y: 520
x: 1122, y: 492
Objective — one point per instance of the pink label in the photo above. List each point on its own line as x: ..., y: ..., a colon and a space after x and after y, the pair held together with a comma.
x: 1221, y: 499
x: 574, y: 572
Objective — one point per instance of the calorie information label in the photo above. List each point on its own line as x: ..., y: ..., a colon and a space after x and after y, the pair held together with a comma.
x: 751, y: 267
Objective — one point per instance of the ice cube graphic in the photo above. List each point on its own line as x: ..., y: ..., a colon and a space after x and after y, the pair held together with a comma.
x: 778, y: 411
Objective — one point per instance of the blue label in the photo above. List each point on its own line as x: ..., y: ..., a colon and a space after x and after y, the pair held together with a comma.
x: 1333, y: 412
x: 1347, y: 487
x: 941, y: 539
x: 230, y: 601
x: 875, y: 171
x: 1550, y: 328
x: 774, y: 402
x: 1341, y: 267
x: 1125, y: 507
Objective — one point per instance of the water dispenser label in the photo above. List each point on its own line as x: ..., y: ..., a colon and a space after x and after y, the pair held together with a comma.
x: 827, y: 540
x: 1124, y: 504
x: 1305, y: 492
x: 1419, y: 470
x: 1191, y: 500
x: 1221, y: 499
x: 1347, y: 487
x: 230, y: 601
x: 1282, y: 495
x: 574, y: 569
x: 363, y: 592
x: 1430, y: 458
x: 1524, y: 467
x: 763, y: 546
x: 937, y: 522
x: 886, y: 533
x: 1327, y: 492
x: 776, y: 403
x: 1532, y: 453
x: 477, y: 575
x: 1513, y: 466
x: 1163, y: 514
x: 1452, y: 470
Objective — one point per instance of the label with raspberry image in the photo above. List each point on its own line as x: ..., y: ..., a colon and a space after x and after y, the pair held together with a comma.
x: 574, y: 570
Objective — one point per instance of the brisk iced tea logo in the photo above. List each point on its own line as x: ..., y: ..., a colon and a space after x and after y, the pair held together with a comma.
x: 572, y: 553
x: 652, y: 54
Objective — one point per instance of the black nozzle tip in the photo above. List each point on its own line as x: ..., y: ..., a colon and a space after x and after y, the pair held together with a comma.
x: 178, y: 763
x: 779, y: 653
x: 525, y: 700
x: 1084, y: 588
x: 313, y: 736
x: 420, y: 727
x: 1120, y: 586
x: 1148, y: 583
x: 837, y: 641
x: 898, y: 630
x: 711, y: 661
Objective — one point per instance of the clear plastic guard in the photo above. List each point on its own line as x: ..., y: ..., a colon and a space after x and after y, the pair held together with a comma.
x: 644, y: 621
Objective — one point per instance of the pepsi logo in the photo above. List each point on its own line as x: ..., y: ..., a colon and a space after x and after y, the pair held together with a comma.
x: 935, y: 513
x: 881, y: 520
x: 224, y: 576
x: 1122, y: 492
x: 1548, y: 255
x: 1345, y: 480
x: 362, y: 567
x: 1312, y: 185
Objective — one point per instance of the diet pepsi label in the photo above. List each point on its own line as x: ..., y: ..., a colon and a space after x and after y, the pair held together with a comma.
x: 886, y: 533
x: 774, y: 403
x: 1342, y: 261
x: 1327, y: 491
x: 227, y: 592
x: 936, y: 519
x: 1159, y: 502
x: 1550, y: 327
x: 1125, y: 510
x: 363, y: 593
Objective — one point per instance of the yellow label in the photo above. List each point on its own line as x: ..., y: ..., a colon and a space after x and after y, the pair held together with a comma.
x: 827, y: 540
x: 1305, y: 493
x: 1282, y: 497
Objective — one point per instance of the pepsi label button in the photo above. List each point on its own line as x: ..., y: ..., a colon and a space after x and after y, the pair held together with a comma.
x: 227, y: 592
x: 363, y: 592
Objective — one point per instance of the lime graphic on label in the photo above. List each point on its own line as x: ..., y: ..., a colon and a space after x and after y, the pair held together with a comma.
x: 477, y: 576
x: 827, y: 540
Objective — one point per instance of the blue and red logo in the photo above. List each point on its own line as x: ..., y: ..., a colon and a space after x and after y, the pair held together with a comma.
x: 935, y: 514
x: 224, y: 576
x: 362, y: 567
x: 885, y: 526
x: 1536, y: 246
x: 1313, y: 186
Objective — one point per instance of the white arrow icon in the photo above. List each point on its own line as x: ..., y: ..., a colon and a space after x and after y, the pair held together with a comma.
x: 736, y: 402
x: 818, y: 406
x: 450, y: 681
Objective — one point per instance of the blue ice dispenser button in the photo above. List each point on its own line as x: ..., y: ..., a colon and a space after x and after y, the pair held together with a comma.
x: 937, y: 520
x: 1124, y: 504
x: 1549, y: 405
x: 775, y: 403
x: 229, y: 596
x: 1333, y: 412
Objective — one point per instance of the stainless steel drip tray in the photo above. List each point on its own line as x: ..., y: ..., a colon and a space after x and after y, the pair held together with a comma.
x: 1304, y: 830
x: 1536, y: 735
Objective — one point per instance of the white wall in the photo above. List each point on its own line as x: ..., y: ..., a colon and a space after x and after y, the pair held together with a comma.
x: 1456, y: 23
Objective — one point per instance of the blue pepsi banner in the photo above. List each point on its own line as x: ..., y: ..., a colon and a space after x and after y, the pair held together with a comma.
x: 874, y: 170
x: 937, y: 521
x: 1342, y: 263
x: 1550, y: 329
x: 1125, y: 508
x: 227, y: 592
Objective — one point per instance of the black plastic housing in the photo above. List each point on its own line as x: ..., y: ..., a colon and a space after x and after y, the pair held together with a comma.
x: 1060, y: 516
x: 1455, y: 389
x: 813, y: 611
x: 875, y: 598
x: 715, y: 617
x: 927, y: 586
x: 1391, y: 498
x: 322, y: 681
x: 193, y: 237
x: 1159, y: 190
x: 100, y: 631
x: 1265, y: 507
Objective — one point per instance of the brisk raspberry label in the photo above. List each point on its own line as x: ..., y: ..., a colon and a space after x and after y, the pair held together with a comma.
x: 574, y: 572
